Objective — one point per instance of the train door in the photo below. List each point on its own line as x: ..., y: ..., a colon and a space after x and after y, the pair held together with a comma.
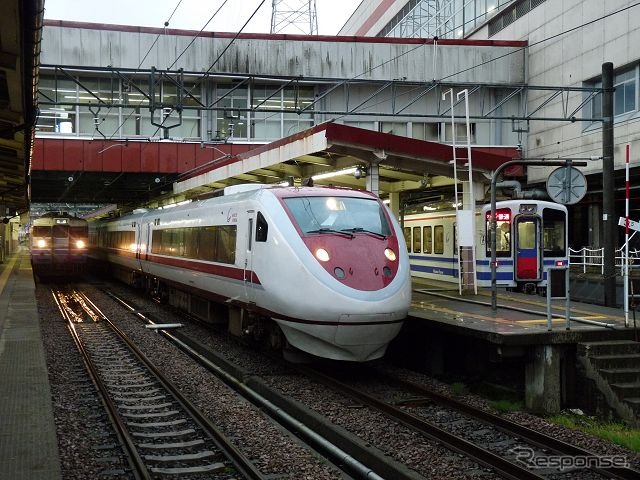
x: 138, y: 242
x: 527, y: 248
x: 248, y: 260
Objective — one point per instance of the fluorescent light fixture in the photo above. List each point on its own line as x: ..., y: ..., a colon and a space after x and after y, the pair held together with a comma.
x: 346, y: 171
x: 386, y: 201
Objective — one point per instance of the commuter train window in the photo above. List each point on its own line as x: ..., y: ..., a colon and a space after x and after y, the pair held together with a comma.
x: 262, y: 228
x: 60, y: 231
x: 455, y: 240
x: 554, y: 236
x: 417, y: 240
x: 407, y: 237
x: 319, y: 214
x: 503, y: 233
x: 438, y: 239
x: 41, y: 231
x: 426, y: 240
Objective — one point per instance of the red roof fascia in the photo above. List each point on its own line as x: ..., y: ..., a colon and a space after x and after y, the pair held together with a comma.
x: 484, y: 157
x: 280, y: 36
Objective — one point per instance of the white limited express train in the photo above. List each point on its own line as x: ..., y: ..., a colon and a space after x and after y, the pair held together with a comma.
x: 325, y: 268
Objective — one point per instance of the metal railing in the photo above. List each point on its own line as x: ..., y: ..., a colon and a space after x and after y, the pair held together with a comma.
x: 591, y: 259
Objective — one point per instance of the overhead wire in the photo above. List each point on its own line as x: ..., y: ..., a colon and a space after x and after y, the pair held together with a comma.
x: 215, y: 62
x: 487, y: 61
x: 166, y: 24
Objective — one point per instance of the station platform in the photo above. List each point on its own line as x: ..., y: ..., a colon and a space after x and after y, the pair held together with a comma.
x: 28, y: 443
x: 520, y: 319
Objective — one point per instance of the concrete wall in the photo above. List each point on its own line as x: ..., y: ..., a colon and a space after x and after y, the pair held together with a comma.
x: 570, y: 60
x: 326, y: 57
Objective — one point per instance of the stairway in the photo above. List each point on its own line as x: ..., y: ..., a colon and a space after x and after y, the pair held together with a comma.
x: 614, y: 366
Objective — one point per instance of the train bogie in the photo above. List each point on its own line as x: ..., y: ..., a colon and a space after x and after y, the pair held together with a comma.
x: 325, y: 265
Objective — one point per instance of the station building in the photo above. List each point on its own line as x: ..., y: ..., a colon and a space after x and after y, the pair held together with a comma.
x: 531, y: 70
x: 567, y: 43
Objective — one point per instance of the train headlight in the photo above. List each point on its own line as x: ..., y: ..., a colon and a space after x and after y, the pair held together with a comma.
x: 80, y: 244
x: 133, y: 247
x: 41, y: 244
x: 322, y: 255
x: 390, y: 254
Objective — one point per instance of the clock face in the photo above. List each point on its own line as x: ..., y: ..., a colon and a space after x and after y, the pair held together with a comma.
x: 567, y: 185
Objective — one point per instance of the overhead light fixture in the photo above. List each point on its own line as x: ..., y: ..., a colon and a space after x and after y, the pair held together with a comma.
x: 346, y: 171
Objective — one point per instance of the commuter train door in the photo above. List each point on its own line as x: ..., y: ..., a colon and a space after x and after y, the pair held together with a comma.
x: 248, y: 261
x: 527, y: 261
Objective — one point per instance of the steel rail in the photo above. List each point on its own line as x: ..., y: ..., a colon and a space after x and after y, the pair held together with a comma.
x: 539, y: 439
x: 346, y: 454
x: 239, y: 460
x: 139, y: 468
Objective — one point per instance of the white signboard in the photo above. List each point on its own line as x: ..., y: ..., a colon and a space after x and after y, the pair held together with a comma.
x: 632, y: 225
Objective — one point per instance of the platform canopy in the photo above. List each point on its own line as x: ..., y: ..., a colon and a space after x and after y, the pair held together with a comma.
x: 20, y: 33
x: 329, y: 153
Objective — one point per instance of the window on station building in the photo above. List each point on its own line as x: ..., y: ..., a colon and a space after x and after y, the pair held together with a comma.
x: 54, y: 117
x: 461, y: 132
x: 232, y: 105
x: 625, y: 96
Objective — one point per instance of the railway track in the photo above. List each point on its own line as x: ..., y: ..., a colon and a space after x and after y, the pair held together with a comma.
x: 345, y: 451
x: 492, y: 447
x: 507, y: 447
x: 163, y: 434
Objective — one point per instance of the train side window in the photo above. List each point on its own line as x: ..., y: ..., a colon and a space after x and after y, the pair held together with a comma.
x: 554, y: 240
x: 438, y: 239
x: 407, y: 237
x: 455, y: 239
x: 417, y: 240
x: 426, y: 240
x: 226, y: 244
x: 262, y: 228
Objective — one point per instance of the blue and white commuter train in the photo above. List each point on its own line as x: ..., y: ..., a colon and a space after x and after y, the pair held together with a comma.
x: 531, y: 235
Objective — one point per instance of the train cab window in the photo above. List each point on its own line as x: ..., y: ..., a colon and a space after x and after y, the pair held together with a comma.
x: 41, y: 231
x: 318, y: 215
x: 417, y: 240
x: 426, y: 239
x: 262, y: 228
x: 407, y: 237
x: 438, y: 239
x: 503, y: 233
x: 554, y: 232
x: 60, y: 231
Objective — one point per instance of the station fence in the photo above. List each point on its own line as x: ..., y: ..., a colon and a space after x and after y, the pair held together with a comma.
x: 590, y: 260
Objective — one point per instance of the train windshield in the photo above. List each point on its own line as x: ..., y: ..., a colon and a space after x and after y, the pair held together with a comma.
x: 343, y: 214
x: 554, y: 226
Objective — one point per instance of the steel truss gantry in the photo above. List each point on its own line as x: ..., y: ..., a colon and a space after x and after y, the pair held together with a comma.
x: 348, y: 97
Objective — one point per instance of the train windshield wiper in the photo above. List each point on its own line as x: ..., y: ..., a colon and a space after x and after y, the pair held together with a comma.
x: 331, y: 230
x: 362, y: 230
